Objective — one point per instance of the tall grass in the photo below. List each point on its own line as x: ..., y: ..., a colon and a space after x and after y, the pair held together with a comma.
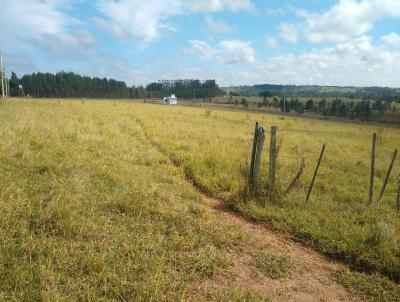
x: 214, y: 148
x: 90, y: 211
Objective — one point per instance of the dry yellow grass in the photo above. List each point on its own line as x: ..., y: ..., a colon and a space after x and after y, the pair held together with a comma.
x: 93, y: 210
x: 214, y: 149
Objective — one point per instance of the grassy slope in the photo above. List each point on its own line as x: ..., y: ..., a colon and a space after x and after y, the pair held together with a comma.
x: 214, y: 149
x: 91, y: 212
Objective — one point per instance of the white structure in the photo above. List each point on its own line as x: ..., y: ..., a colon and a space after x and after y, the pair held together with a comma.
x: 170, y: 100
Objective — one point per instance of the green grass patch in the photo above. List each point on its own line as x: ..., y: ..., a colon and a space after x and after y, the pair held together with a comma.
x: 370, y: 287
x: 272, y: 265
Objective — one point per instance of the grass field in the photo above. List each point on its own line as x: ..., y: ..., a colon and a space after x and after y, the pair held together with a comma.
x: 214, y: 147
x: 94, y: 210
x: 86, y: 214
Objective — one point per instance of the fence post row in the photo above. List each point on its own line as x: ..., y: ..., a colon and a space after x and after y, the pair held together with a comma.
x: 315, y: 173
x: 272, y: 158
x: 253, y: 153
x: 372, y: 173
x: 255, y: 165
x: 260, y: 145
x: 389, y: 171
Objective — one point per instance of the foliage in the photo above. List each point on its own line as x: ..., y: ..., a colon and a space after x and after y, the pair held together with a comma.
x: 187, y: 89
x: 270, y: 90
x: 71, y: 85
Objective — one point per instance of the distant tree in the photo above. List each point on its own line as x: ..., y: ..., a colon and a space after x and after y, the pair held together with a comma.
x: 367, y: 110
x: 309, y: 104
x: 266, y: 94
x: 275, y: 102
x: 14, y: 85
x: 379, y: 106
x: 322, y: 105
x: 343, y: 110
x: 299, y: 107
x: 244, y: 102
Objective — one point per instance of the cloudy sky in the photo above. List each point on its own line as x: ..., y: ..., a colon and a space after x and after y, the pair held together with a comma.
x: 236, y: 42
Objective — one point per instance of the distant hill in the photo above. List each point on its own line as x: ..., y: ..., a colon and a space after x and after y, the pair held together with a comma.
x: 383, y: 93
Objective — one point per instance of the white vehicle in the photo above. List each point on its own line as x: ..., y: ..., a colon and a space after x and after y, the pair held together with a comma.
x: 170, y: 100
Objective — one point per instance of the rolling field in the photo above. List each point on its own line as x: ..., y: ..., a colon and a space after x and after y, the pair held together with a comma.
x: 96, y: 206
x: 214, y: 148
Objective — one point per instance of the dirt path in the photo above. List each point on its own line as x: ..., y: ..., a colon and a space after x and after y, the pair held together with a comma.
x: 309, y: 278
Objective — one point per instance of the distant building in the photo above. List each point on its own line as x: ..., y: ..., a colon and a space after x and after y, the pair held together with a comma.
x: 170, y: 100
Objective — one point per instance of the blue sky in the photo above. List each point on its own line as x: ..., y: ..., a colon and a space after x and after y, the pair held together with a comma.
x: 236, y: 42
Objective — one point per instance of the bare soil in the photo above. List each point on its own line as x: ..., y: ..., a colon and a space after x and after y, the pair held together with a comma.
x: 310, y: 278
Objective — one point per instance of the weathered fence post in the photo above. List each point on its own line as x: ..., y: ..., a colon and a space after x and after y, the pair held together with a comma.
x: 272, y: 158
x: 315, y: 173
x: 260, y: 144
x: 297, y: 177
x: 253, y: 153
x: 372, y: 173
x: 387, y: 177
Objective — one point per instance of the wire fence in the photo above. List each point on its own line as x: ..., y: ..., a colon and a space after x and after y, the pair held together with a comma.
x: 385, y: 168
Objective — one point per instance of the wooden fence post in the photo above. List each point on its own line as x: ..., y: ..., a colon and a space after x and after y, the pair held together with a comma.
x: 297, y: 177
x: 387, y: 177
x: 272, y: 158
x: 372, y: 173
x: 260, y: 144
x: 315, y: 173
x: 253, y: 153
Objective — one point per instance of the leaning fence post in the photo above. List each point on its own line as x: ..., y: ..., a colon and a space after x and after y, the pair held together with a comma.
x: 315, y: 173
x: 272, y: 158
x: 253, y: 153
x: 387, y: 177
x: 372, y: 173
x: 260, y: 144
x: 297, y: 177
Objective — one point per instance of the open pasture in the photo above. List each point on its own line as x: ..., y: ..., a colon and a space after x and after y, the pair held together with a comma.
x: 95, y: 204
x: 214, y: 148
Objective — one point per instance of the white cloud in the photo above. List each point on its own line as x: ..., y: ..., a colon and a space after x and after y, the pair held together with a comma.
x: 27, y: 19
x: 74, y: 45
x: 271, y: 42
x: 140, y: 20
x: 226, y: 52
x: 392, y: 40
x: 217, y: 26
x: 44, y: 25
x: 346, y: 19
x: 212, y: 6
x: 144, y: 21
x: 358, y: 62
x: 289, y: 33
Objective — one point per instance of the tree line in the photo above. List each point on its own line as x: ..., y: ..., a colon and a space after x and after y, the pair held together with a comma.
x: 72, y: 85
x: 382, y: 93
x: 362, y: 110
x: 186, y: 89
